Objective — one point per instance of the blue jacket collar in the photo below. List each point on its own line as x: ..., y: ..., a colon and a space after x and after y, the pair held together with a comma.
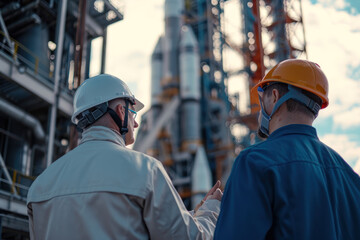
x: 294, y: 129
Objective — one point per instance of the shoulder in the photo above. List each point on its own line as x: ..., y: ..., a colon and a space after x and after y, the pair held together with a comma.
x: 260, y: 155
x: 96, y: 167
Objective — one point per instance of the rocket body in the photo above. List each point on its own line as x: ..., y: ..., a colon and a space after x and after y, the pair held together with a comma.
x: 156, y: 73
x: 173, y: 23
x: 175, y: 67
x: 190, y: 90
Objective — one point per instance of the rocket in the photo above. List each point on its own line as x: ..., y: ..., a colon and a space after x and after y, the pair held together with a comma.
x: 175, y: 72
x: 201, y: 177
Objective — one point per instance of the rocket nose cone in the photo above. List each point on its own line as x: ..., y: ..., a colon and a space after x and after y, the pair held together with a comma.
x: 173, y: 8
x: 158, y: 46
x: 188, y: 37
x: 201, y: 174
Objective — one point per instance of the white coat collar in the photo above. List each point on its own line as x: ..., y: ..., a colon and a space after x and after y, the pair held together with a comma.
x: 100, y: 133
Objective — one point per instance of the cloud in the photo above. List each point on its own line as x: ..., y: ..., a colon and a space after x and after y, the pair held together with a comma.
x: 348, y: 118
x: 348, y: 149
x: 332, y: 41
x: 131, y: 42
x: 357, y: 167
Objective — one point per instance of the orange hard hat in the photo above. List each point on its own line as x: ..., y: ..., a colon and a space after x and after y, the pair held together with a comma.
x: 303, y: 74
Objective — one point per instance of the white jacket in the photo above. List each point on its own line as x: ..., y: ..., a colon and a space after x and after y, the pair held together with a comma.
x: 102, y: 190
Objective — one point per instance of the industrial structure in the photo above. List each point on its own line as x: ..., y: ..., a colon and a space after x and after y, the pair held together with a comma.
x: 189, y: 124
x: 44, y: 55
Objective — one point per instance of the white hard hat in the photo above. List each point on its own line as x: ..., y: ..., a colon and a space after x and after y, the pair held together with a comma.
x: 100, y: 89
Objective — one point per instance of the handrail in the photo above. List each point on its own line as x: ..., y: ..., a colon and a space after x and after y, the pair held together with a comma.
x: 15, y: 184
x: 37, y: 62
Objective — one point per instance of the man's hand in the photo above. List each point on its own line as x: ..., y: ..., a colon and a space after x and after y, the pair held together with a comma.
x: 214, y: 193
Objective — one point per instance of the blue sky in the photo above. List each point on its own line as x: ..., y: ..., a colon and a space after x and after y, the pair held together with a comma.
x: 350, y: 6
x: 332, y: 29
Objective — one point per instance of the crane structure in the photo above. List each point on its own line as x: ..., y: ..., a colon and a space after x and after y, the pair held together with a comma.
x: 272, y: 32
x: 45, y: 52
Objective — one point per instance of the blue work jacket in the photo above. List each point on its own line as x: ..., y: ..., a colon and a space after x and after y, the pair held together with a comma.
x: 291, y: 186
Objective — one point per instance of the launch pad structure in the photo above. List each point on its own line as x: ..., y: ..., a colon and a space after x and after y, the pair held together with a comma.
x: 192, y: 111
x: 45, y: 53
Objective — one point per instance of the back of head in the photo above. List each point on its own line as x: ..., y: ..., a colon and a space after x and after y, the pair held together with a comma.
x: 301, y: 84
x: 302, y: 74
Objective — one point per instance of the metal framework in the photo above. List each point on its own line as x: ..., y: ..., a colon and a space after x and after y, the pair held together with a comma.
x: 36, y: 64
x: 272, y: 31
x: 205, y: 18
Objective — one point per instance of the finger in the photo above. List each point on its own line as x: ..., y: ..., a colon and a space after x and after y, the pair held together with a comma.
x: 217, y: 195
x: 213, y: 189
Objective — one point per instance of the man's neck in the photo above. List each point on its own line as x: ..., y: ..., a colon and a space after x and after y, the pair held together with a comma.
x: 284, y: 118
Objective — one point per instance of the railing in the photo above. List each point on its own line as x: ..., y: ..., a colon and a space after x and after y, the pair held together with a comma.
x: 34, y: 63
x: 20, y: 183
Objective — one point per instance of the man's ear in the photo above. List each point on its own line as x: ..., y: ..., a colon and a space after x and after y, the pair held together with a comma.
x: 120, y: 111
x: 275, y: 96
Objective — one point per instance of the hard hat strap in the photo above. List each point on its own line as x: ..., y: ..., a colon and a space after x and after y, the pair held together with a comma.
x: 117, y: 120
x: 296, y: 94
x: 122, y: 127
x: 89, y: 117
x: 293, y: 93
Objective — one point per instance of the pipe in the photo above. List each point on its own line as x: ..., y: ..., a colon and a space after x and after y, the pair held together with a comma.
x: 103, y: 52
x: 23, y: 117
x: 7, y: 36
x: 11, y: 7
x: 23, y: 9
x: 33, y: 18
x: 59, y: 50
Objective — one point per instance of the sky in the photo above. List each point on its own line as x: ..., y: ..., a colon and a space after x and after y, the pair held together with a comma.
x: 332, y: 31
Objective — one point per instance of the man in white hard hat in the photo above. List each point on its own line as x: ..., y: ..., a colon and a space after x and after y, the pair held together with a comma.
x: 102, y: 190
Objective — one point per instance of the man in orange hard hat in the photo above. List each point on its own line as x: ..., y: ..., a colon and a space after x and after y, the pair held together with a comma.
x: 291, y: 186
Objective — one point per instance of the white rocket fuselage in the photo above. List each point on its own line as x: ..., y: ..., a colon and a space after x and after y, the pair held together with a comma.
x: 190, y: 90
x: 157, y: 73
x: 173, y: 23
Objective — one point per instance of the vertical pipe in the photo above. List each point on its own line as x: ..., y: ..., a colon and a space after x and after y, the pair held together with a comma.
x: 88, y: 58
x: 60, y: 40
x: 224, y: 91
x: 79, y: 41
x: 7, y: 37
x: 103, y: 52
